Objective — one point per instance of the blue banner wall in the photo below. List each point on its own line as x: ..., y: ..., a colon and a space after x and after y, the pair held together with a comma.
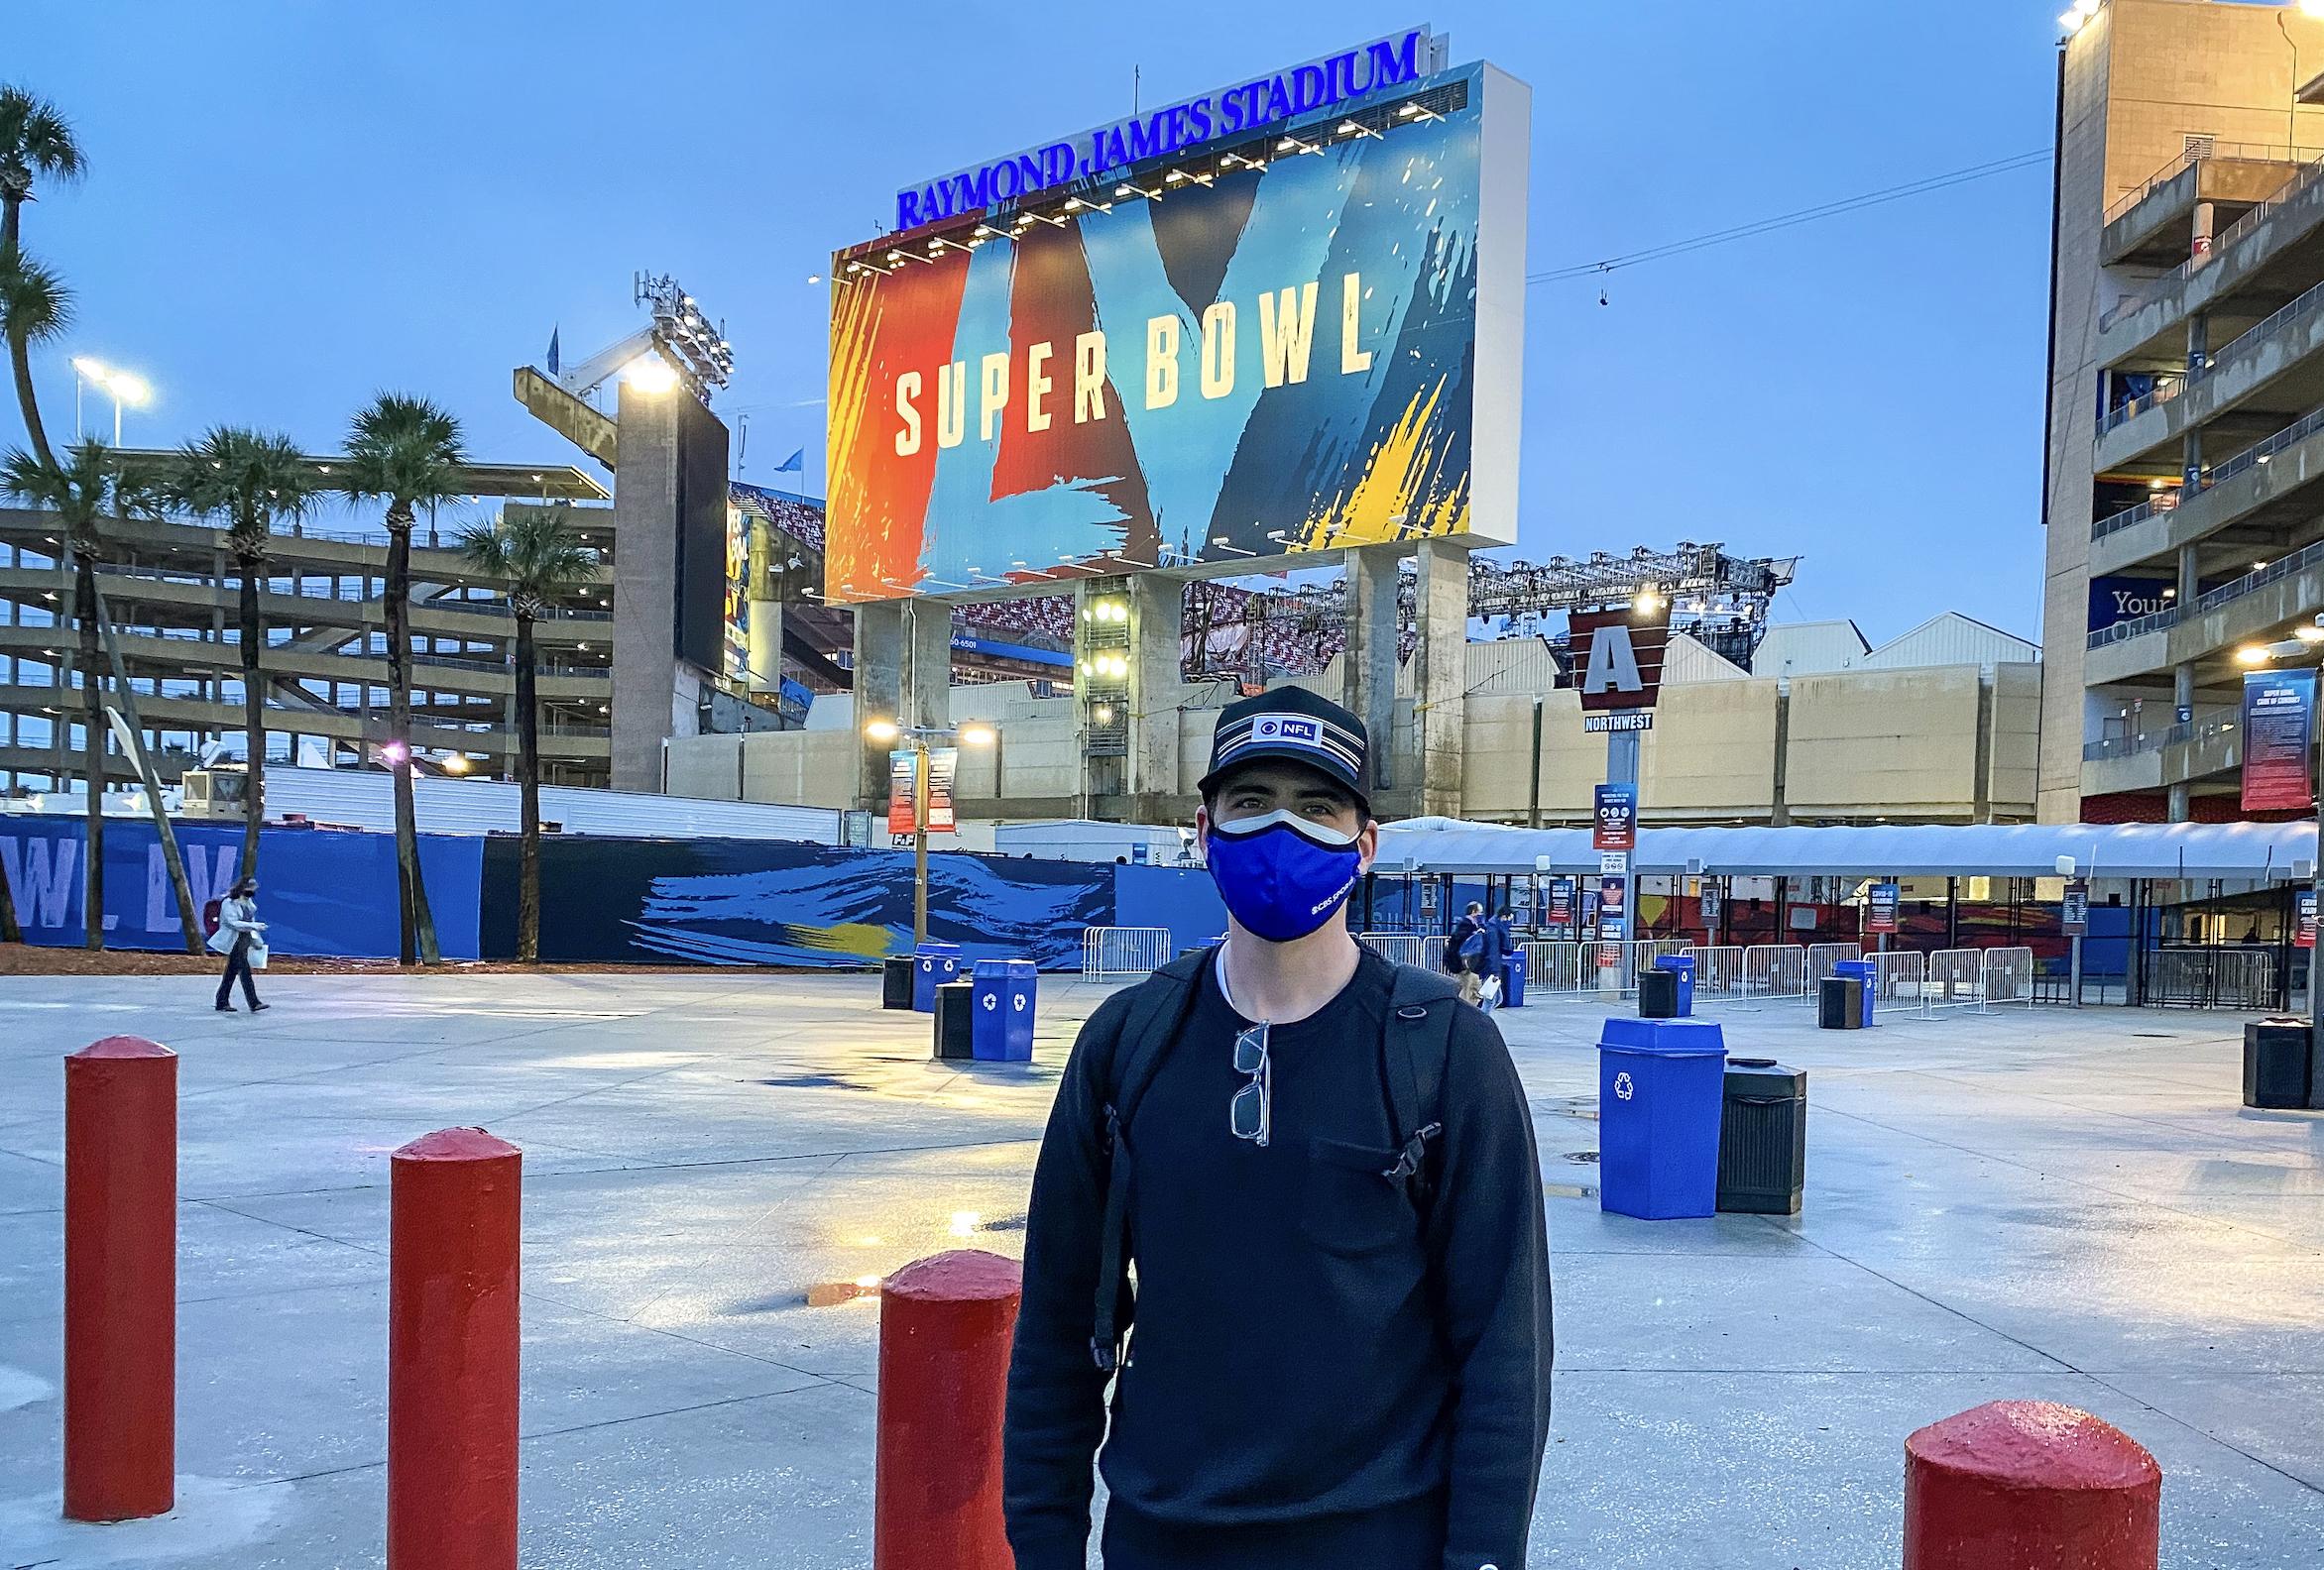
x: 781, y: 903
x: 1183, y: 899
x: 325, y: 893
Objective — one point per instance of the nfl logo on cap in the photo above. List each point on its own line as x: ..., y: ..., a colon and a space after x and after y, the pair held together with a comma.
x: 1285, y: 728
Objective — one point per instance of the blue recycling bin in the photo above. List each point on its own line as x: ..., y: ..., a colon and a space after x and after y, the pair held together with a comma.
x: 1513, y: 971
x: 1681, y: 967
x: 933, y: 965
x: 1661, y: 1085
x: 1000, y: 1026
x: 1862, y: 970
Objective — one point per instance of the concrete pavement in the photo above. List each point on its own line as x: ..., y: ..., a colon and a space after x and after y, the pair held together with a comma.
x: 2048, y: 1204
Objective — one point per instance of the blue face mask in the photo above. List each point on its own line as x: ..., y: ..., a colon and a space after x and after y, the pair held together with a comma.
x: 1280, y: 875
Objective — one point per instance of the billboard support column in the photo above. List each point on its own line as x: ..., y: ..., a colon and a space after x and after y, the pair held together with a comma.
x: 879, y: 671
x: 646, y: 489
x: 1368, y: 672
x: 1157, y: 628
x: 763, y: 611
x: 926, y: 699
x: 1441, y: 615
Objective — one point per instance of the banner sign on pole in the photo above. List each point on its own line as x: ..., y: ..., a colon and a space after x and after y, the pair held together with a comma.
x: 943, y: 764
x: 2075, y: 918
x: 902, y: 777
x: 2279, y: 722
x: 1616, y: 828
x: 2307, y: 932
x: 1613, y: 918
x: 1880, y: 907
x: 1711, y: 906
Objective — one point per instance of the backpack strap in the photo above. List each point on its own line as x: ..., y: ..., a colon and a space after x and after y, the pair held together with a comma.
x: 1157, y: 1018
x: 1416, y: 1044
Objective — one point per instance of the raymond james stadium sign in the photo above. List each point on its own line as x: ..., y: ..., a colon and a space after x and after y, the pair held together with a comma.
x: 1235, y: 112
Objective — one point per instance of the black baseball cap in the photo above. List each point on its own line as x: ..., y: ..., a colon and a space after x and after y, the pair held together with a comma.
x: 1293, y: 726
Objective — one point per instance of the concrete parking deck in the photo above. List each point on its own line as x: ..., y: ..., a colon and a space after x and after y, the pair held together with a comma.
x: 2071, y: 1206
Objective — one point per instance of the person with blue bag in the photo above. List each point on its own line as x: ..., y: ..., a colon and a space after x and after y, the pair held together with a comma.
x: 1286, y: 1267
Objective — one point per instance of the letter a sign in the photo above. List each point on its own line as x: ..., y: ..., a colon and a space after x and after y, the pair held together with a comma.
x: 1618, y: 658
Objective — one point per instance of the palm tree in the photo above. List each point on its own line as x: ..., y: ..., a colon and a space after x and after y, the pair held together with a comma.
x: 248, y: 479
x: 82, y: 493
x: 35, y: 306
x: 35, y: 139
x: 406, y: 452
x: 540, y: 555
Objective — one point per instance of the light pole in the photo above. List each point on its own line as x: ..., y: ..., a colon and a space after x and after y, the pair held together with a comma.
x: 126, y: 386
x: 918, y: 737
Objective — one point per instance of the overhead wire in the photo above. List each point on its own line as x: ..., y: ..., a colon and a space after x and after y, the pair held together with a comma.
x: 1804, y: 215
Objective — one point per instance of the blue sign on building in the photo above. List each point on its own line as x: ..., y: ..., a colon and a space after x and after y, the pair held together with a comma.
x: 1225, y: 114
x: 2121, y: 599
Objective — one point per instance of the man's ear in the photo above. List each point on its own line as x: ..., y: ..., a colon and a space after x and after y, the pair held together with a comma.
x: 1367, y: 847
x: 1203, y: 835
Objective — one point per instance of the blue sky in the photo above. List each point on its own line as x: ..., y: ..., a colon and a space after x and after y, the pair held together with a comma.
x: 295, y: 205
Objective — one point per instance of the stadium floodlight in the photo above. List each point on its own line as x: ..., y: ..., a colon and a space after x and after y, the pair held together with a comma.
x: 1356, y: 128
x: 651, y: 373
x: 1292, y: 143
x: 697, y: 349
x: 1126, y: 188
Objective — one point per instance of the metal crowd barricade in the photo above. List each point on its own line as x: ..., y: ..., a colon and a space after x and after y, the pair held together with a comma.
x: 1552, y: 966
x: 1956, y: 979
x: 1824, y: 957
x: 1718, y: 972
x: 1645, y: 951
x: 1115, y: 954
x: 2212, y: 977
x: 1900, y: 977
x: 1774, y: 970
x: 2008, y: 976
x: 1411, y: 948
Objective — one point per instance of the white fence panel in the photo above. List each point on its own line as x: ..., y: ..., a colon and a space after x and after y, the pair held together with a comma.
x: 1411, y: 948
x: 1113, y: 953
x: 1822, y: 957
x: 1552, y: 966
x: 1718, y: 972
x: 2008, y: 976
x: 1774, y: 970
x: 1956, y: 979
x: 1899, y: 978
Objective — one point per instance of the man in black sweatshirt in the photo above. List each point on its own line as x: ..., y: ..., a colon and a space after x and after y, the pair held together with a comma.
x: 1322, y: 1298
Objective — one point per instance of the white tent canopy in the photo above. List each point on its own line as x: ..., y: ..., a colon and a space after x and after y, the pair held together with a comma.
x: 2240, y: 851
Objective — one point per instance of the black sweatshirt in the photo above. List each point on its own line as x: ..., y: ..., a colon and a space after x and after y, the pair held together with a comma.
x: 1303, y: 1347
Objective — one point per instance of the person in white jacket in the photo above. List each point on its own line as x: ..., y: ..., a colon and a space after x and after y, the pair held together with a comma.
x: 242, y: 938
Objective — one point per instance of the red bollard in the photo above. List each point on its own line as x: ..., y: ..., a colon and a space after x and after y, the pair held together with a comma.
x: 2029, y: 1486
x: 944, y: 1331
x: 120, y: 1279
x: 452, y: 1332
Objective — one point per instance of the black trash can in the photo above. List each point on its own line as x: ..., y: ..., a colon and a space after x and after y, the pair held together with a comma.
x: 1658, y: 994
x: 2276, y: 1063
x: 895, y: 982
x: 1763, y: 1138
x: 956, y: 1011
x: 1839, y: 1003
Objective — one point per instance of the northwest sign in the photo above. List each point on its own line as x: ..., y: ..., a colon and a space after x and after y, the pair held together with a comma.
x: 1618, y: 659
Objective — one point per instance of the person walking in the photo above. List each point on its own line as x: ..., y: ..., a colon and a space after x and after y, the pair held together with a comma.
x: 1321, y: 1171
x: 1493, y: 938
x: 242, y: 938
x: 1459, y: 946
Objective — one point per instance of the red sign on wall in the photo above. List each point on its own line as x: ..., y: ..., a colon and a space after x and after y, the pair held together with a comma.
x: 1618, y: 658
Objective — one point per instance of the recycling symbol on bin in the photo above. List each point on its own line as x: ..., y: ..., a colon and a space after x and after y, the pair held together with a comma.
x: 1018, y: 1002
x: 1623, y: 1088
x: 989, y: 1001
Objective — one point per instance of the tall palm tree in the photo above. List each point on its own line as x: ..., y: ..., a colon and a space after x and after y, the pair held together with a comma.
x: 34, y: 141
x: 35, y: 306
x: 540, y: 555
x: 82, y: 493
x: 405, y: 452
x: 246, y: 478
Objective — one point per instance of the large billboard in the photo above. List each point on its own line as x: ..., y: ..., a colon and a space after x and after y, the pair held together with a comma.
x: 1299, y: 342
